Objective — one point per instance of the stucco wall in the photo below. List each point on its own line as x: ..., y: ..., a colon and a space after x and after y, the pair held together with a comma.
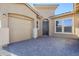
x: 4, y: 36
x: 77, y: 24
x: 40, y: 21
x: 15, y: 8
x: 18, y: 8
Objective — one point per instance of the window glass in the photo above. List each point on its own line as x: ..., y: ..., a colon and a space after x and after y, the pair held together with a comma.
x: 59, y: 26
x: 67, y: 25
x: 58, y: 29
x: 59, y: 23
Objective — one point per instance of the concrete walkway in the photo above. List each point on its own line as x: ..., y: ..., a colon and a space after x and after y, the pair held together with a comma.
x: 6, y: 53
x: 45, y: 46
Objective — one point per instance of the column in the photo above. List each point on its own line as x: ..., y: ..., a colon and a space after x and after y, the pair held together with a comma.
x: 35, y: 29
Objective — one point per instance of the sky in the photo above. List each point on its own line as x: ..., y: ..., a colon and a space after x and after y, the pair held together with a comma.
x: 64, y: 7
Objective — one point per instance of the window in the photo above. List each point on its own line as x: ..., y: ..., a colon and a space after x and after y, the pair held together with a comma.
x: 0, y: 23
x: 64, y: 26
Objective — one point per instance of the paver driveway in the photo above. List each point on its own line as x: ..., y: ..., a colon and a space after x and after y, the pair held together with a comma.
x: 45, y: 46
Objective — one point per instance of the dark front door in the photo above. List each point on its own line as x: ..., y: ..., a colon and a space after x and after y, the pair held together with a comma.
x: 46, y: 27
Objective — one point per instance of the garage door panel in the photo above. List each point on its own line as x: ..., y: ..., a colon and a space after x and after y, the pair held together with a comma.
x: 20, y: 29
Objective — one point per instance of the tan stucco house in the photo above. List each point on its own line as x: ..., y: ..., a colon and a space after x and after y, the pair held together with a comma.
x: 22, y: 21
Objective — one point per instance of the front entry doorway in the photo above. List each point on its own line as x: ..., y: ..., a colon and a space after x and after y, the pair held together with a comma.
x: 46, y: 27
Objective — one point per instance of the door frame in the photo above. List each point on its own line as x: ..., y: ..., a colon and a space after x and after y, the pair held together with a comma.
x: 43, y: 27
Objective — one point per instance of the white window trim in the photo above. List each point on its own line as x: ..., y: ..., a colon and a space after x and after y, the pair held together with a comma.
x: 63, y: 26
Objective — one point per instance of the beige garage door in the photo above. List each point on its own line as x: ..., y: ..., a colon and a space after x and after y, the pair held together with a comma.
x: 20, y: 28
